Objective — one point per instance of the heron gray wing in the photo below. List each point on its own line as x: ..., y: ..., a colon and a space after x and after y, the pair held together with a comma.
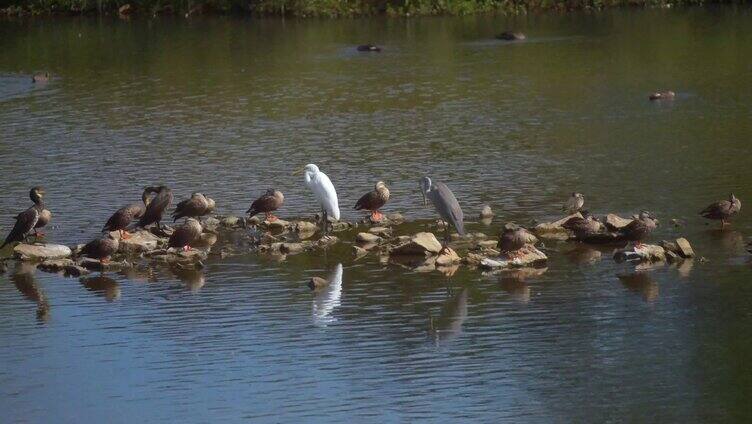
x: 448, y: 207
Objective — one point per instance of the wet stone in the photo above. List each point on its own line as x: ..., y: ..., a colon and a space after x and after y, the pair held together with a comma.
x: 380, y: 231
x: 685, y: 249
x: 95, y: 265
x: 230, y: 222
x: 447, y: 257
x: 25, y: 251
x: 554, y: 230
x: 614, y: 222
x: 142, y: 241
x: 646, y: 252
x: 367, y: 238
x: 419, y: 244
x: 359, y: 251
x: 316, y: 283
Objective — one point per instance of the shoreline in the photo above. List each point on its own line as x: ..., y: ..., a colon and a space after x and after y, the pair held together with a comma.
x: 331, y: 10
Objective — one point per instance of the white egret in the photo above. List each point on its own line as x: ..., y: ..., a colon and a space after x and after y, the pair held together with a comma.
x: 323, y: 190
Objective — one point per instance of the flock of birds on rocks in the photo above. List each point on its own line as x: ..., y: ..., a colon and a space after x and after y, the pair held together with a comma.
x: 156, y: 199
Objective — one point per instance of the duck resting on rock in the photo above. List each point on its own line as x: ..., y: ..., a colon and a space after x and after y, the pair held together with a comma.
x: 27, y: 220
x: 513, y: 238
x: 267, y: 203
x: 639, y: 229
x: 185, y: 235
x: 198, y: 205
x: 101, y: 248
x: 374, y: 200
x: 155, y: 209
x: 122, y: 218
x: 574, y: 204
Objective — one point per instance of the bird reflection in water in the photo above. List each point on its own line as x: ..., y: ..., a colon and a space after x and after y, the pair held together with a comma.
x: 327, y: 299
x: 103, y: 285
x: 514, y: 282
x: 641, y: 283
x: 23, y: 279
x: 584, y: 255
x: 448, y: 325
x: 192, y: 278
x: 729, y: 239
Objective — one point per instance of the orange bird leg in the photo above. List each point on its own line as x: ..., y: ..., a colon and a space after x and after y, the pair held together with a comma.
x: 376, y: 216
x: 125, y: 235
x: 104, y: 261
x: 186, y: 248
x: 270, y: 217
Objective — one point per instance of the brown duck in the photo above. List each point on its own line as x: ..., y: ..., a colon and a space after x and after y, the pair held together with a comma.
x: 374, y: 200
x: 186, y: 234
x: 574, y: 204
x: 722, y: 210
x: 155, y: 209
x: 514, y: 238
x: 27, y: 220
x: 198, y: 205
x: 583, y: 227
x: 267, y: 203
x: 123, y: 217
x: 41, y: 77
x: 640, y: 228
x: 101, y: 249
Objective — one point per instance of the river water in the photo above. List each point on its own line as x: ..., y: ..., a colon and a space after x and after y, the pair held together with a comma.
x: 230, y: 107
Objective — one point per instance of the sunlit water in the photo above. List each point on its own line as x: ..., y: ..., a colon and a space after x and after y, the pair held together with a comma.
x: 230, y: 107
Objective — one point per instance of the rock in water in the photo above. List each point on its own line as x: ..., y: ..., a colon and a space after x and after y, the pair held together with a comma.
x: 142, y: 241
x: 317, y: 283
x: 25, y: 251
x: 526, y: 256
x: 419, y: 244
x: 685, y: 249
x: 646, y: 252
x: 367, y: 238
x: 555, y: 230
x: 448, y: 257
x: 615, y: 222
x: 486, y: 212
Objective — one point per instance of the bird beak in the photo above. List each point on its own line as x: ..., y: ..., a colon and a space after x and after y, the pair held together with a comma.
x: 299, y: 171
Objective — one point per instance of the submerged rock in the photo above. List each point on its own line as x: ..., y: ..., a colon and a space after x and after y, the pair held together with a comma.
x: 419, y: 244
x: 359, y: 251
x: 95, y: 265
x: 645, y: 252
x: 316, y: 283
x: 25, y: 251
x: 304, y: 227
x: 66, y: 266
x: 367, y: 238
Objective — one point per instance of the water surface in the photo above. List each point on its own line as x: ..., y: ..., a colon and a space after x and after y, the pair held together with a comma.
x: 230, y: 107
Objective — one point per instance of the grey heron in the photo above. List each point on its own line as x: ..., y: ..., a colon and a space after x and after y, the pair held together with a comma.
x: 445, y: 203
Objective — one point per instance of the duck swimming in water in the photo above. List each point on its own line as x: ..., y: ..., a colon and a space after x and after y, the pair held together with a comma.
x: 368, y: 48
x: 123, y: 217
x: 198, y: 205
x: 511, y: 36
x: 374, y: 200
x: 662, y: 95
x: 155, y: 209
x: 722, y: 210
x: 267, y: 203
x: 41, y: 77
x: 27, y: 220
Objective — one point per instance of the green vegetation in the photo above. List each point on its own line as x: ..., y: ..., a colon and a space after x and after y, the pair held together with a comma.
x: 307, y: 8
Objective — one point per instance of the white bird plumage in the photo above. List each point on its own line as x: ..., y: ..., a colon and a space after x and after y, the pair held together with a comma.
x: 322, y: 189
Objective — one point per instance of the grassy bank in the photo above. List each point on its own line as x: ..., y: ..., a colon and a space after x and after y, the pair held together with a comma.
x: 323, y: 8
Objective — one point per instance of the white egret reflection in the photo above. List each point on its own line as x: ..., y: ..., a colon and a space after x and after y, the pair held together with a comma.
x: 327, y: 299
